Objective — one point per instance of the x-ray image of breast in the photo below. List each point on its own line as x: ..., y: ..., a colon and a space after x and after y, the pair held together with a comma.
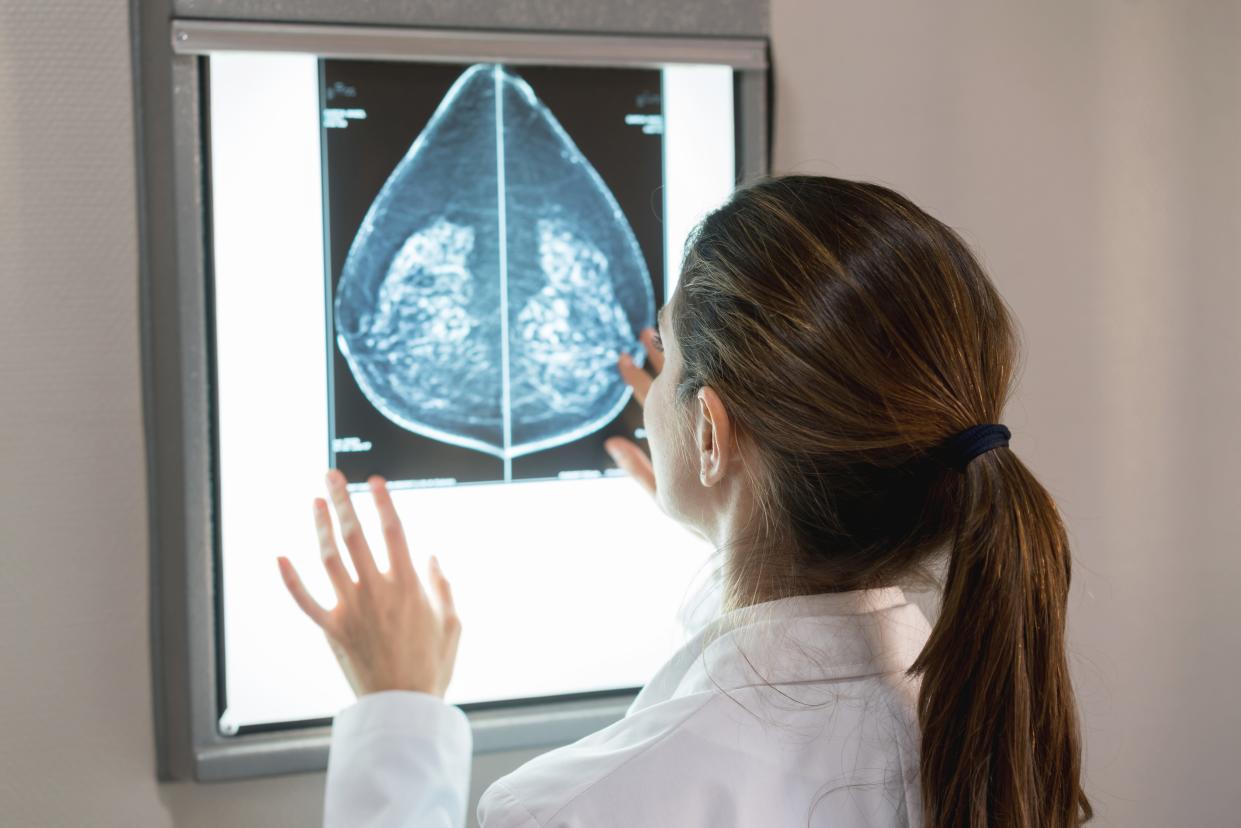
x: 494, y: 281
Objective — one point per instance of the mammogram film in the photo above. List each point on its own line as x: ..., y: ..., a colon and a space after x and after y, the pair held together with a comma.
x: 494, y: 281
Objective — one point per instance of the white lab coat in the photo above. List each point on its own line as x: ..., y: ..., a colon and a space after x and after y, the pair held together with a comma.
x: 835, y: 743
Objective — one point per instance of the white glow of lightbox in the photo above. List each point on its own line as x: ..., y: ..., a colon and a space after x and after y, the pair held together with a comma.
x: 563, y: 586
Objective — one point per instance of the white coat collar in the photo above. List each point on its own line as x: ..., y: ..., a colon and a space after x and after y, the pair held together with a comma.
x: 804, y: 638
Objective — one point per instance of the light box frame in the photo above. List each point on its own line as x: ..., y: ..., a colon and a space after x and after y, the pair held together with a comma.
x: 178, y: 370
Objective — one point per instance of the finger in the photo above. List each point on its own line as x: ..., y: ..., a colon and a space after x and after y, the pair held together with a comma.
x: 452, y: 621
x: 335, y: 567
x: 351, y: 529
x: 638, y: 379
x: 394, y: 533
x: 655, y: 355
x: 294, y: 583
x: 630, y: 457
x: 443, y: 590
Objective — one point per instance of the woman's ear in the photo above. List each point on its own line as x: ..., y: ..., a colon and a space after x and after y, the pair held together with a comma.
x: 713, y: 436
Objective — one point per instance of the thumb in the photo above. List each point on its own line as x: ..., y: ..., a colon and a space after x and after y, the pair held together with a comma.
x: 630, y: 457
x: 443, y: 589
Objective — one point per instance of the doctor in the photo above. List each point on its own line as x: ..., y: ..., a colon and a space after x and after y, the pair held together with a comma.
x: 829, y: 376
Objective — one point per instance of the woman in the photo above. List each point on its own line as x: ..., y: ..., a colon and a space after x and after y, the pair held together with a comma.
x: 832, y: 367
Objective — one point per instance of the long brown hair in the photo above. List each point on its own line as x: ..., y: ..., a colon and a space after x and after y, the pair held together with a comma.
x: 849, y: 333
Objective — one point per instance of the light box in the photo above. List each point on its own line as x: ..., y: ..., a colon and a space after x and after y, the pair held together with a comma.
x: 421, y: 258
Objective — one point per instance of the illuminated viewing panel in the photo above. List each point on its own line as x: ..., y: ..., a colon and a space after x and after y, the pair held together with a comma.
x: 428, y: 271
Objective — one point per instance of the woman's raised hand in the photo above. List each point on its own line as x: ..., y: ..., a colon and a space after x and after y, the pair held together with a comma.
x: 385, y: 631
x: 628, y: 454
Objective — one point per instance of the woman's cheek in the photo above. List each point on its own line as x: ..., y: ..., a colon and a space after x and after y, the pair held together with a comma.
x: 665, y: 457
x: 651, y: 424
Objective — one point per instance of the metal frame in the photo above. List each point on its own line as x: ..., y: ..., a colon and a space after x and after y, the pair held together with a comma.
x: 199, y: 37
x: 177, y: 369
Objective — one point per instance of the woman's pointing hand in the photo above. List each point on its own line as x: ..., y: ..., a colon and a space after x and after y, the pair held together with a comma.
x: 385, y: 630
x: 629, y: 455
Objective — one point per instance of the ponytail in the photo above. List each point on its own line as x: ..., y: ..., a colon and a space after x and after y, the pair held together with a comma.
x: 1000, y: 741
x: 849, y: 331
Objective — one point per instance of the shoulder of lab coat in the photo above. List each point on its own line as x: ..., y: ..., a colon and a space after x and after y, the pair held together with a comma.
x: 398, y: 759
x: 707, y: 741
x: 833, y: 741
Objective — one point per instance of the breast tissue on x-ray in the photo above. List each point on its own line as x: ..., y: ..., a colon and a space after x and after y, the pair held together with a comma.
x: 494, y: 281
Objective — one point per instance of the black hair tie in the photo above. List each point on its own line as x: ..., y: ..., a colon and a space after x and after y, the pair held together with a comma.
x: 961, y: 448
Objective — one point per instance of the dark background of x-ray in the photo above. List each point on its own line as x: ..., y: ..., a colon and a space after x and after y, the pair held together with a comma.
x: 399, y: 99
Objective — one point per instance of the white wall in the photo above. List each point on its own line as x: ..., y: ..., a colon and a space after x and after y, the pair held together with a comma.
x: 1090, y: 152
x: 1087, y: 150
